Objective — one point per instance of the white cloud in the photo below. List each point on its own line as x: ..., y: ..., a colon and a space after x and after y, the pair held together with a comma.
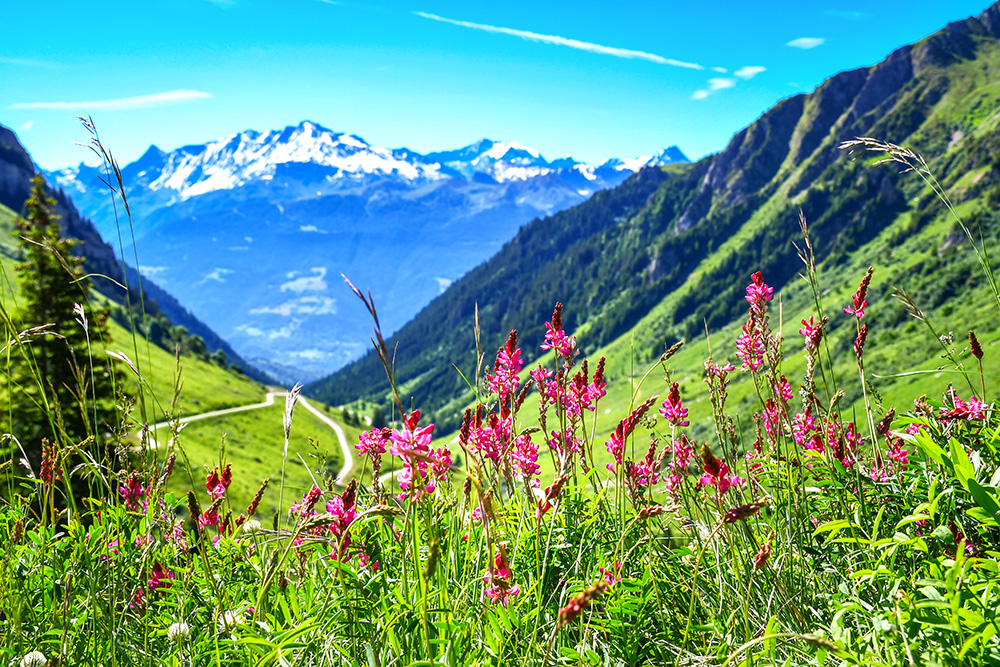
x: 748, y: 72
x: 443, y: 283
x: 27, y: 126
x: 806, y: 42
x: 311, y: 228
x: 565, y: 41
x: 720, y: 70
x: 313, y: 283
x: 714, y: 84
x: 283, y: 332
x: 718, y: 83
x: 311, y: 354
x: 307, y: 305
x: 151, y: 271
x: 846, y: 14
x: 218, y: 275
x: 140, y: 102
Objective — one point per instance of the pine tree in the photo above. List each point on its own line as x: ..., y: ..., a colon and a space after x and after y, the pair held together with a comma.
x: 62, y: 383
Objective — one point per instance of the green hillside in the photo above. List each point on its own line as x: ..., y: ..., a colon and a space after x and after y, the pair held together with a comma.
x: 670, y: 251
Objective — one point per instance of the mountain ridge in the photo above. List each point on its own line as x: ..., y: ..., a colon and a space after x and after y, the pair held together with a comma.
x: 684, y: 250
x: 267, y: 219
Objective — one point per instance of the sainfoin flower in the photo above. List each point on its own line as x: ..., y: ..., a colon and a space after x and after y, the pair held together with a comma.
x: 974, y: 409
x: 717, y: 472
x: 672, y: 409
x: 501, y: 584
x: 813, y: 333
x: 758, y: 293
x: 422, y: 467
x: 160, y: 578
x: 131, y: 492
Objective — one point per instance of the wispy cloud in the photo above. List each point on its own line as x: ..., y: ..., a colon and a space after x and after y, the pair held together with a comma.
x: 565, y: 41
x: 299, y: 283
x: 846, y: 14
x: 27, y: 126
x: 26, y: 62
x: 714, y: 84
x: 720, y: 70
x: 748, y: 72
x: 139, y: 102
x: 806, y: 42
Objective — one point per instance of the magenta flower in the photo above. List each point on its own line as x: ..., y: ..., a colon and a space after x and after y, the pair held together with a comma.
x: 672, y: 409
x: 858, y: 298
x: 555, y: 338
x: 501, y: 584
x: 160, y: 578
x: 750, y: 347
x: 131, y: 493
x: 504, y: 380
x: 813, y: 333
x: 974, y: 409
x: 717, y: 472
x: 758, y: 293
x: 372, y: 443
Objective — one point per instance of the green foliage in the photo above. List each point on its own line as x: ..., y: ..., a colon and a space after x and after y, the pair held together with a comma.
x: 58, y: 390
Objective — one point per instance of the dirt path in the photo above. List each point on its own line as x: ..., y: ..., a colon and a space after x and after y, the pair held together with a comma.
x: 345, y: 449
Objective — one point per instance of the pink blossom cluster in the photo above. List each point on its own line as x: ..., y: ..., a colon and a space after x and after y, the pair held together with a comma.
x: 672, y: 409
x: 132, y: 492
x: 717, y: 472
x: 556, y: 338
x: 973, y: 409
x: 616, y: 443
x: 504, y: 380
x: 500, y: 580
x: 423, y: 467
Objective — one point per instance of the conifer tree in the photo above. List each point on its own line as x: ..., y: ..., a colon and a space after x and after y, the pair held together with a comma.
x: 61, y: 379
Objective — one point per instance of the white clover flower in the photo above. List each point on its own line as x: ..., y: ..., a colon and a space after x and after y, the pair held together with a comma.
x: 34, y: 659
x: 178, y: 632
x: 252, y: 526
x: 229, y: 620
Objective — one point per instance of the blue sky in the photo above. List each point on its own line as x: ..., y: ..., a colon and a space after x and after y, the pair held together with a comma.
x: 590, y: 79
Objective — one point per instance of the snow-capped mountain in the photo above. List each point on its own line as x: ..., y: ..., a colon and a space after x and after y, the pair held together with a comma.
x: 249, y: 230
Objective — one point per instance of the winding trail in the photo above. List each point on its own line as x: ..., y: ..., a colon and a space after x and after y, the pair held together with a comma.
x: 345, y: 449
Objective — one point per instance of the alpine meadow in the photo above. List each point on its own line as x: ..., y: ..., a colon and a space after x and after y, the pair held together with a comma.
x: 287, y: 397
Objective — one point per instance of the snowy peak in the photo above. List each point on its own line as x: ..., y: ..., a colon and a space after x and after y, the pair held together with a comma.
x: 669, y: 155
x: 310, y: 160
x: 250, y: 156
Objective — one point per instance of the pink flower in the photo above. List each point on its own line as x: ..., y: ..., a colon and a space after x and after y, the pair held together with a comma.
x: 758, y: 293
x: 555, y: 338
x: 974, y: 409
x: 717, y: 472
x: 858, y: 298
x: 500, y: 580
x: 504, y: 381
x: 616, y: 443
x: 160, y: 578
x: 783, y: 389
x: 131, y: 492
x: 216, y: 483
x: 813, y: 333
x: 760, y: 560
x: 672, y: 409
x: 373, y: 442
x: 750, y: 347
x: 612, y: 576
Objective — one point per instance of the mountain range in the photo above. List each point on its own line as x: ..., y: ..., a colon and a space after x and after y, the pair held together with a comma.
x: 665, y: 255
x: 100, y: 260
x: 252, y: 231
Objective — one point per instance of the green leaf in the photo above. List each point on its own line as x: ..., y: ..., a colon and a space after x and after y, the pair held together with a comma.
x: 963, y: 466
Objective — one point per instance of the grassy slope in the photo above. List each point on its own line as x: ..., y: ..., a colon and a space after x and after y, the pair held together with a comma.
x: 205, y: 387
x: 918, y: 255
x: 254, y: 441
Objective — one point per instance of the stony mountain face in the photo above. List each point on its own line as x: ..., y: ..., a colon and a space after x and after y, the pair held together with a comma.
x: 16, y: 171
x: 673, y: 246
x: 253, y: 231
